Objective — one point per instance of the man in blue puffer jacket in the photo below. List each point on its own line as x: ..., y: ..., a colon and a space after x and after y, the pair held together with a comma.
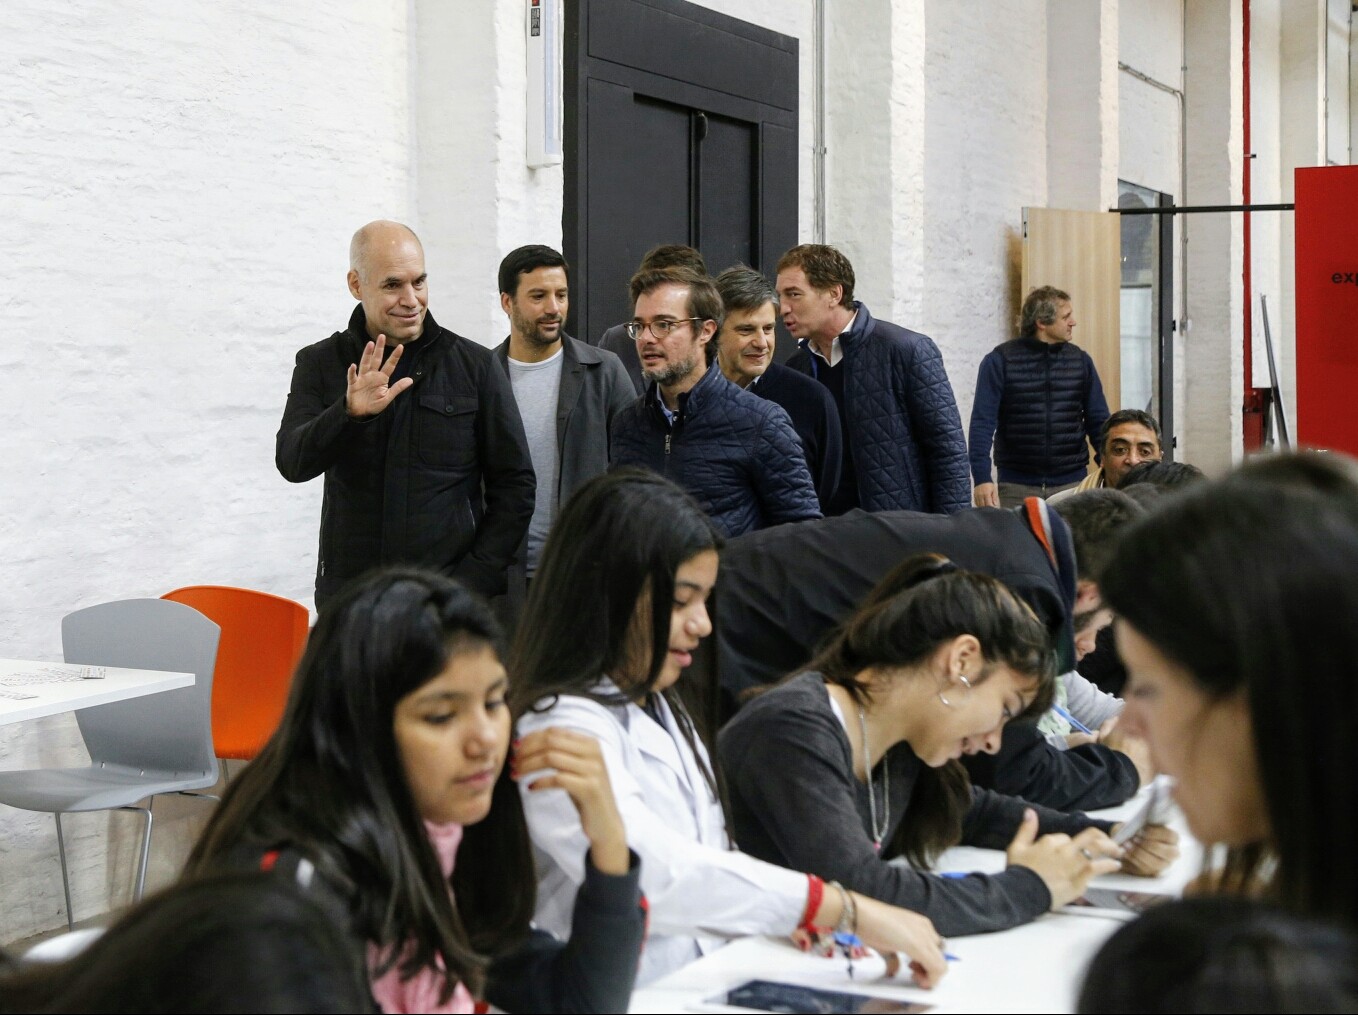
x: 735, y: 452
x: 903, y: 442
x: 1040, y: 398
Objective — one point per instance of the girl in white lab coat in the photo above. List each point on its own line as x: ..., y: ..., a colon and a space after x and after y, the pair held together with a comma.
x: 613, y: 617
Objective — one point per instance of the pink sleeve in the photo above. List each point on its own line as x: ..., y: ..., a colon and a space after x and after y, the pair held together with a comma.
x: 420, y: 993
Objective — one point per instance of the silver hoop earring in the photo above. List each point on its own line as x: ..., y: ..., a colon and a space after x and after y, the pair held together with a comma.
x: 965, y: 683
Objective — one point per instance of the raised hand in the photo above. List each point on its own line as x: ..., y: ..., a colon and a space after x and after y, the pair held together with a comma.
x: 572, y: 762
x: 1064, y: 864
x: 369, y: 389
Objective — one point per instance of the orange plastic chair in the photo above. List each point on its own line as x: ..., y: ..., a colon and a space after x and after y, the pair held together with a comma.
x: 262, y: 638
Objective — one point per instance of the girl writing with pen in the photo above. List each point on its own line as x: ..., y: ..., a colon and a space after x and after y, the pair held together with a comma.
x: 842, y: 768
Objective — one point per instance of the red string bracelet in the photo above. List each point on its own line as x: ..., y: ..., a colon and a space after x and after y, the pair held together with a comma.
x: 815, y: 893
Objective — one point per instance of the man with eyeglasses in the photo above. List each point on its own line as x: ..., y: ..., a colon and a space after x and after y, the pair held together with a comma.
x: 616, y: 339
x: 736, y: 453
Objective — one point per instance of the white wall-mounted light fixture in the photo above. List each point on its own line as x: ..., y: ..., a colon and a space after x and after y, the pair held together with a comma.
x: 546, y: 34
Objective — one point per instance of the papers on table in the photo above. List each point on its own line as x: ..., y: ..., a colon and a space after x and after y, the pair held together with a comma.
x: 49, y: 673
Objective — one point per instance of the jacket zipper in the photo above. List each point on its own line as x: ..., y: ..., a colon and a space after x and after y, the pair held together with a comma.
x: 1048, y: 443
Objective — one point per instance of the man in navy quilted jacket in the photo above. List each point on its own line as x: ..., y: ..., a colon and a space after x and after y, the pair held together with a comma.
x: 903, y: 442
x: 735, y: 452
x: 1039, y: 397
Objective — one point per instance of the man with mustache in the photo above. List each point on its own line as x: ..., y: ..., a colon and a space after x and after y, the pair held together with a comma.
x: 567, y: 391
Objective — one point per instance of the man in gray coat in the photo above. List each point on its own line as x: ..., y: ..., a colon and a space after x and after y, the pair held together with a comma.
x: 567, y: 391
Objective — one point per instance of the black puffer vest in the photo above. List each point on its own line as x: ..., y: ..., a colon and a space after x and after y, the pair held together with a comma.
x: 1042, y: 425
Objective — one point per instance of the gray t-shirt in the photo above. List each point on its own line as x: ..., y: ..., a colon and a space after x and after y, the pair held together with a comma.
x: 537, y: 390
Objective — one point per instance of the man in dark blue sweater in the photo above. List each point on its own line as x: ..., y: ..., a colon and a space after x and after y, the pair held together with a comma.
x: 744, y: 352
x: 735, y: 453
x: 903, y: 443
x: 1039, y: 398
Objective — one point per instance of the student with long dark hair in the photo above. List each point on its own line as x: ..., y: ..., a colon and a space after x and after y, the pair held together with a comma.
x: 613, y: 617
x: 843, y: 768
x: 383, y: 791
x: 1236, y: 603
x: 230, y: 943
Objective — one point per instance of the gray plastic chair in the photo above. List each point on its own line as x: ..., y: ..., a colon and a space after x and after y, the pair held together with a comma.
x: 139, y: 748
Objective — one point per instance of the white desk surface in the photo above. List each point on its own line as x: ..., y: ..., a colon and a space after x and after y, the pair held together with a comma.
x: 57, y: 696
x: 1034, y: 968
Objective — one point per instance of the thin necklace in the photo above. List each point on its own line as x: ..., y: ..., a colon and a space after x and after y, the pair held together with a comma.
x: 878, y: 832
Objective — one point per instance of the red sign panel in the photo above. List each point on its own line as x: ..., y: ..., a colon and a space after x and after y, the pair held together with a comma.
x: 1327, y: 307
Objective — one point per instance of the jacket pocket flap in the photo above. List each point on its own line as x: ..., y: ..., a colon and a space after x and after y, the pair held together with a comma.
x: 448, y: 405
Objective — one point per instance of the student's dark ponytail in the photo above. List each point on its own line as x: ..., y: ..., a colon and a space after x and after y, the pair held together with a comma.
x: 922, y: 603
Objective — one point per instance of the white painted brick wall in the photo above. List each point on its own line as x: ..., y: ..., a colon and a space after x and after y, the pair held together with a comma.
x: 1150, y: 39
x: 177, y: 189
x: 985, y: 158
x: 1213, y: 356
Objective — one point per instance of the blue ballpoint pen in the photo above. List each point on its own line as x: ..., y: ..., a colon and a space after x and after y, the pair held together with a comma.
x: 1078, y: 726
x: 851, y: 941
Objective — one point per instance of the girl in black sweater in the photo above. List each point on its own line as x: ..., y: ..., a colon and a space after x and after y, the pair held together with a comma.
x: 838, y: 770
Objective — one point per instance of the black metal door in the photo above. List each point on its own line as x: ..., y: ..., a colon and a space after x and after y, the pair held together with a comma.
x: 681, y: 127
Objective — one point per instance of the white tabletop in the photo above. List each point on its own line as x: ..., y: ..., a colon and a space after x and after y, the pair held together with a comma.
x: 1034, y: 968
x: 52, y: 688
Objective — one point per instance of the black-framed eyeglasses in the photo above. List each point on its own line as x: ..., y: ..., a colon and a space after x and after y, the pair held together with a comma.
x: 660, y: 329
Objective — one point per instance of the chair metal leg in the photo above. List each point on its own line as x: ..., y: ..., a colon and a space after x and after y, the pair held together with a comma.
x: 140, y: 886
x: 146, y: 838
x: 65, y: 877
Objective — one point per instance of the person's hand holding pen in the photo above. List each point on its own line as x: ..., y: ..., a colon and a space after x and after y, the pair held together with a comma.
x: 887, y: 929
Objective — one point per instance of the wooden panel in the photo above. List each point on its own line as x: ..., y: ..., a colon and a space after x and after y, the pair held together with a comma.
x: 1080, y: 251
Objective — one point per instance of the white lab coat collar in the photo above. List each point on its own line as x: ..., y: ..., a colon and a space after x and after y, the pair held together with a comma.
x: 662, y: 742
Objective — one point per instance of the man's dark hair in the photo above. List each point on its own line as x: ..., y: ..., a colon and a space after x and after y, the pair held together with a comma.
x: 704, y: 302
x: 743, y: 288
x: 525, y: 259
x: 1129, y: 416
x: 673, y: 255
x: 1040, y: 308
x: 1166, y: 475
x: 824, y: 267
x: 1096, y: 519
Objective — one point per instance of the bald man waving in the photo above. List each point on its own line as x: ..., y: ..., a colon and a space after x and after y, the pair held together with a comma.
x: 414, y: 428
